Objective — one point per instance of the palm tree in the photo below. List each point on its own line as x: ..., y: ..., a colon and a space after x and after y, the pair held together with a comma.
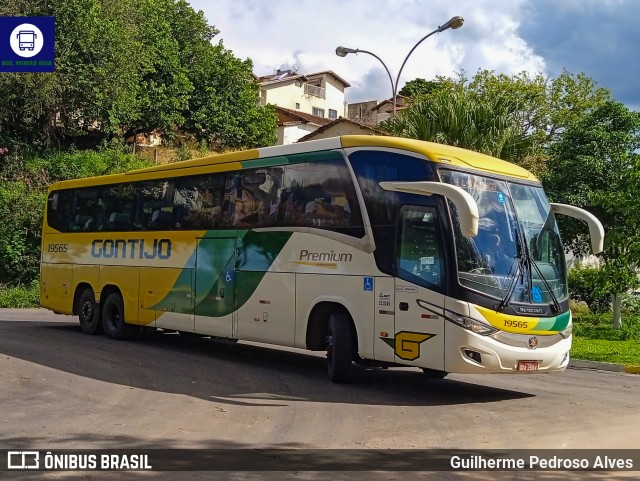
x: 488, y: 125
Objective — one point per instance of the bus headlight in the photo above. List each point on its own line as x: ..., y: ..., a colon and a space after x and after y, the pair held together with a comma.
x: 567, y: 332
x: 473, y: 325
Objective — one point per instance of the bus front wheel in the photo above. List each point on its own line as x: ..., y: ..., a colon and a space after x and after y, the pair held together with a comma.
x: 339, y: 349
x: 113, y: 317
x: 88, y: 313
x: 434, y: 373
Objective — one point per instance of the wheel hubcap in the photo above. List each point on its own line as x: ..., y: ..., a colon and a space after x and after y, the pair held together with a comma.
x: 87, y: 311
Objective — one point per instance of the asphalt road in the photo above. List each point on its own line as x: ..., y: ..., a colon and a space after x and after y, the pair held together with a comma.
x: 62, y: 389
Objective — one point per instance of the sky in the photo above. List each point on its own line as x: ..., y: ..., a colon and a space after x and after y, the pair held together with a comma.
x: 597, y: 37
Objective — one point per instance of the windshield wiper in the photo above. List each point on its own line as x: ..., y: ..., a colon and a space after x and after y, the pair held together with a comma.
x: 520, y: 270
x: 525, y: 260
x: 554, y: 299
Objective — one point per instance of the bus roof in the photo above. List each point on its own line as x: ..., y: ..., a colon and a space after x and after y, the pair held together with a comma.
x: 442, y: 153
x: 266, y: 156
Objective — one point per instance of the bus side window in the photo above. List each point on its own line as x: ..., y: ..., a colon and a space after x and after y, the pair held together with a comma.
x: 252, y: 198
x: 320, y: 194
x: 154, y: 205
x: 86, y: 210
x: 58, y: 209
x: 198, y: 201
x: 119, y: 206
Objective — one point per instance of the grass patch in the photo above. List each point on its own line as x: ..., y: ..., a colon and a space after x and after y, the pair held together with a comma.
x: 595, y: 339
x: 20, y: 297
x: 620, y: 352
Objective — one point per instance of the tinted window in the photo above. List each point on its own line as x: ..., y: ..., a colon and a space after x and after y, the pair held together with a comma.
x: 419, y: 254
x: 198, y: 201
x: 310, y: 194
x: 119, y: 206
x: 320, y: 194
x: 58, y: 209
x: 87, y: 210
x: 252, y: 198
x: 154, y: 207
x: 372, y: 167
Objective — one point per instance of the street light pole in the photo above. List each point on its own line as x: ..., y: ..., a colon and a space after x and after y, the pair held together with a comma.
x: 344, y: 51
x: 454, y: 23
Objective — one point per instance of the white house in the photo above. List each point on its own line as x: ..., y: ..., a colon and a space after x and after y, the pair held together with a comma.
x: 293, y: 125
x: 320, y: 94
x: 340, y: 127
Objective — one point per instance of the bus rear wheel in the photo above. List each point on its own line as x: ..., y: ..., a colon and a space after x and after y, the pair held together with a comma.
x: 88, y: 313
x: 113, y: 317
x: 339, y: 349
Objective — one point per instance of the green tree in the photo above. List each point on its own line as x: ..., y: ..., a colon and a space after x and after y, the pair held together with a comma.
x: 223, y: 109
x: 594, y: 165
x: 95, y: 81
x: 20, y: 225
x: 539, y: 108
x: 417, y: 88
x: 164, y: 84
x: 488, y: 125
x: 132, y: 66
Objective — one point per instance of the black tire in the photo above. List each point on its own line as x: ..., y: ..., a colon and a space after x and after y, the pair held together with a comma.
x: 89, y: 313
x: 113, y: 317
x: 340, y: 352
x: 434, y: 373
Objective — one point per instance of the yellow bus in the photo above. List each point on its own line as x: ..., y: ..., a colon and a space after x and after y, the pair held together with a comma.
x: 378, y: 250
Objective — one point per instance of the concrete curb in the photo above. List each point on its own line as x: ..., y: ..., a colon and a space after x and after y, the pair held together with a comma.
x: 603, y: 366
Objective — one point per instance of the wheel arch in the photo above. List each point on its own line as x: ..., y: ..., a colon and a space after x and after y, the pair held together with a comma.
x: 80, y: 288
x: 318, y: 324
x: 110, y: 289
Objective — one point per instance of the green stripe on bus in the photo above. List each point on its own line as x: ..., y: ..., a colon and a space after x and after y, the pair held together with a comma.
x: 291, y: 159
x: 562, y: 321
x: 247, y: 259
x: 267, y: 162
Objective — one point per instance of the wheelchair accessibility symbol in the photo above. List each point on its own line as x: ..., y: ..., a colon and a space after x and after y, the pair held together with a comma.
x: 536, y: 294
x: 228, y: 277
x: 368, y: 283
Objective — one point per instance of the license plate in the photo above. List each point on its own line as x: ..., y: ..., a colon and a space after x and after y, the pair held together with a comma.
x: 528, y: 365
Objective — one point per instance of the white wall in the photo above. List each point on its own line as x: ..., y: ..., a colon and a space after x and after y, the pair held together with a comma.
x: 287, y: 94
x: 289, y: 134
x: 342, y: 129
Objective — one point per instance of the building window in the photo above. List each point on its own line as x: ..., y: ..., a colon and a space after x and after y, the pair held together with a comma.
x: 333, y: 114
x: 297, y: 105
x: 317, y: 112
x: 314, y: 87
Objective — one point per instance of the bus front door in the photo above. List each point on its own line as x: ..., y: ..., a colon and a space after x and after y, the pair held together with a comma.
x: 419, y: 307
x: 215, y: 287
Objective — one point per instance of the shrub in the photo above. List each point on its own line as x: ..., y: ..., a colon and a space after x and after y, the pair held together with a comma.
x: 578, y: 308
x: 75, y: 164
x: 21, y: 211
x: 23, y: 193
x: 20, y: 296
x: 631, y: 304
x: 184, y: 153
x: 583, y: 286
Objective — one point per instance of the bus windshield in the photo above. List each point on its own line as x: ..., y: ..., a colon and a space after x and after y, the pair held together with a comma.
x: 517, y: 255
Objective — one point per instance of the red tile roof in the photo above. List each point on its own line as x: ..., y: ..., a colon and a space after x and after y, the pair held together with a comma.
x: 298, y: 116
x: 342, y: 120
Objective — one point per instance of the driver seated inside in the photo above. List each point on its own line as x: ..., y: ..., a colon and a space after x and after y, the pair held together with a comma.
x: 497, y: 260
